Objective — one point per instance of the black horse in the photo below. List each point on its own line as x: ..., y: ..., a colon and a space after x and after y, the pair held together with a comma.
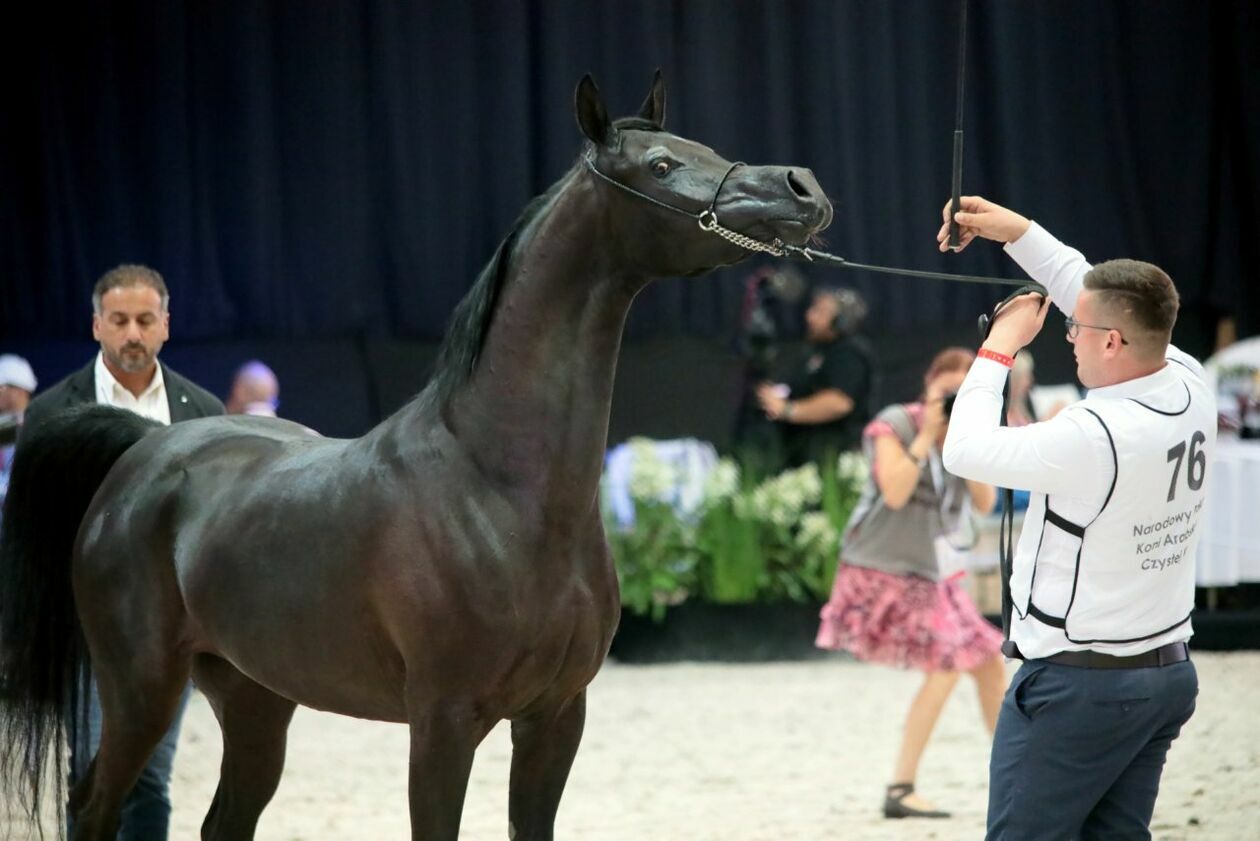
x: 447, y: 570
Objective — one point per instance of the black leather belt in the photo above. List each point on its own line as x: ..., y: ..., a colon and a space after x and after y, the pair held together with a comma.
x: 1165, y: 655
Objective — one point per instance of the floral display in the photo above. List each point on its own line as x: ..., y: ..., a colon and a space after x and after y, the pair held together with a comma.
x: 773, y: 539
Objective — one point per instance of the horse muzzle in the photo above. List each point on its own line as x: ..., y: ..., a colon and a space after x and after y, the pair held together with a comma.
x: 809, y: 198
x: 777, y: 202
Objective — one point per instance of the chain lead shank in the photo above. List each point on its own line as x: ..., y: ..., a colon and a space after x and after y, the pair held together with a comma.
x: 708, y: 222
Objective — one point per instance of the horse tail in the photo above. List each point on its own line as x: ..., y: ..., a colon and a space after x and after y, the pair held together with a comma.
x: 57, y: 468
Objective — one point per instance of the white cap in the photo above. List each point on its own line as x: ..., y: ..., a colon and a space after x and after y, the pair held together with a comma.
x: 16, y: 371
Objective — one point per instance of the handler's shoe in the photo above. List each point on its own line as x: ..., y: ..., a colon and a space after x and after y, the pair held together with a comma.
x: 895, y: 807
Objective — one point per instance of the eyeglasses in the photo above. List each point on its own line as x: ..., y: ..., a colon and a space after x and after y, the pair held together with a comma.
x: 1074, y: 329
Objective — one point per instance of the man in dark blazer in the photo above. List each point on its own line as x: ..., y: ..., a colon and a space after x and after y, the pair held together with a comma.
x: 185, y: 399
x: 131, y: 320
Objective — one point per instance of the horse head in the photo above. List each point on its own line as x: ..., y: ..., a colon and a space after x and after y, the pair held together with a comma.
x: 669, y: 184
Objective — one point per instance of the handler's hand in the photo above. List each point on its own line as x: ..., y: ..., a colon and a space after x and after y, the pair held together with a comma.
x: 1017, y: 323
x: 980, y: 217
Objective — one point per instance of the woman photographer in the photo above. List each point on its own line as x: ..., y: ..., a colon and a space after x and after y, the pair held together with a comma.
x: 892, y: 603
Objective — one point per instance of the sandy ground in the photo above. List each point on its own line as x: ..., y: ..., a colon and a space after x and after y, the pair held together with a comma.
x: 693, y: 751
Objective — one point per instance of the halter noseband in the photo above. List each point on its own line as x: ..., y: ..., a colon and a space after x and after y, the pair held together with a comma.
x: 707, y: 218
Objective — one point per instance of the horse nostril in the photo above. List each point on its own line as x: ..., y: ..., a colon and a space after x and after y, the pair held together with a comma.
x: 797, y: 187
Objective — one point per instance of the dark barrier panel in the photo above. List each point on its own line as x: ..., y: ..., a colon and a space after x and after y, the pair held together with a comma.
x: 322, y: 384
x: 397, y: 370
x: 675, y: 388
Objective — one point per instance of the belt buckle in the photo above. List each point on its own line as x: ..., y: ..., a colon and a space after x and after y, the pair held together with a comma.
x: 1173, y: 652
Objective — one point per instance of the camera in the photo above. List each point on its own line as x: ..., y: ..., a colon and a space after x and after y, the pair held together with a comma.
x: 758, y: 338
x: 947, y: 403
x: 767, y: 290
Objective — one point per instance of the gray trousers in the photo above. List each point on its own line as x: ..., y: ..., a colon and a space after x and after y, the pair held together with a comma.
x: 1078, y: 752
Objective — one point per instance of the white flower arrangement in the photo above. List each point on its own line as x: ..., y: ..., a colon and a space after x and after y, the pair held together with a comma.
x: 778, y: 540
x: 722, y: 483
x: 781, y: 499
x: 651, y: 479
x: 853, y: 467
x: 817, y: 531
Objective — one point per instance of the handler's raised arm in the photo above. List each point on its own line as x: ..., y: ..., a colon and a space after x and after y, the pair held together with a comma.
x: 1056, y: 266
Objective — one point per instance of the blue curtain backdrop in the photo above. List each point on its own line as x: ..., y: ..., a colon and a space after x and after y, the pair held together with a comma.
x: 332, y: 170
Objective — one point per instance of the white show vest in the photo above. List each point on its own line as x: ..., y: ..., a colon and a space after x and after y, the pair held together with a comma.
x: 1127, y: 576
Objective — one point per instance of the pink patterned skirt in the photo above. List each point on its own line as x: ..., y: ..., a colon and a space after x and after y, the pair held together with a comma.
x: 906, y: 621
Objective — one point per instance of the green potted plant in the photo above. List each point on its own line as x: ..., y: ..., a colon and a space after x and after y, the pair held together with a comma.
x: 654, y: 557
x: 753, y: 554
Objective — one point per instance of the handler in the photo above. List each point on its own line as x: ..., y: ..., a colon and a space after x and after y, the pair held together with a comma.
x: 1103, y: 575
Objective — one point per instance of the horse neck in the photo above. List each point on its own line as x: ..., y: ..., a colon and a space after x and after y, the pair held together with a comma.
x: 535, y: 410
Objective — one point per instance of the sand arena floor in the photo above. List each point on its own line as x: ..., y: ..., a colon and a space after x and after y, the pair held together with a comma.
x: 695, y: 751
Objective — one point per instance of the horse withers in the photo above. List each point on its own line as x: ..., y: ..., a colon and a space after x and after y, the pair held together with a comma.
x: 448, y: 569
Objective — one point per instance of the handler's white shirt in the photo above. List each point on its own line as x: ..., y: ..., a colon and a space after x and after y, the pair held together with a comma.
x: 151, y: 403
x: 1068, y: 457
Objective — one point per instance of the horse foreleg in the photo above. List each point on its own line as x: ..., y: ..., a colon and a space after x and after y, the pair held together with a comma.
x: 255, y: 725
x: 444, y: 737
x: 543, y: 747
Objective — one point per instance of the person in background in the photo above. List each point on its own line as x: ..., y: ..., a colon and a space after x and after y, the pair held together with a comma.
x: 255, y: 391
x: 824, y: 405
x: 131, y: 321
x: 892, y: 602
x: 17, y: 384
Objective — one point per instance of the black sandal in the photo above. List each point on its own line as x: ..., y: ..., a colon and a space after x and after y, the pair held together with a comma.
x: 895, y: 808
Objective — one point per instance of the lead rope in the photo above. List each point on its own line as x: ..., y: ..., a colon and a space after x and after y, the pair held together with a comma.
x: 1006, y: 527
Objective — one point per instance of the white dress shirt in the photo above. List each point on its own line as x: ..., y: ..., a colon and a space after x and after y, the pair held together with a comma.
x: 151, y: 403
x: 1070, y: 458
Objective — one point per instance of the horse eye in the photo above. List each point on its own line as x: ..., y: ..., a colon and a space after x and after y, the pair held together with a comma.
x: 661, y: 168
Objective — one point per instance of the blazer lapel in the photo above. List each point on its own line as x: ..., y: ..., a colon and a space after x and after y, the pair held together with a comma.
x: 177, y: 399
x: 81, y: 385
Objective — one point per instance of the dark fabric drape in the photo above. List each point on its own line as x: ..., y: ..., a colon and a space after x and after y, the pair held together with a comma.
x: 324, y: 170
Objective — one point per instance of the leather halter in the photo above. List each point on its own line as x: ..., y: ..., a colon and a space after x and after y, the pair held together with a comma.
x: 708, y: 221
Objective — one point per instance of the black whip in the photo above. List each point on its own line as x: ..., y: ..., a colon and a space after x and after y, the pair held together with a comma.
x: 955, y: 242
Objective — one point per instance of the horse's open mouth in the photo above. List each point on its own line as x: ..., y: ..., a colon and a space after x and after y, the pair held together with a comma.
x: 793, y: 231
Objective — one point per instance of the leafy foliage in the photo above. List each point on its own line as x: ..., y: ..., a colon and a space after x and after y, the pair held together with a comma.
x: 777, y: 539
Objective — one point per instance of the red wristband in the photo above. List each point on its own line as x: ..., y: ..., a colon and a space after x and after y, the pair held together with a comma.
x: 985, y: 353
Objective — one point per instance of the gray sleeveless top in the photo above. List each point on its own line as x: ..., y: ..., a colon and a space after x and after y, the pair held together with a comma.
x: 900, y: 541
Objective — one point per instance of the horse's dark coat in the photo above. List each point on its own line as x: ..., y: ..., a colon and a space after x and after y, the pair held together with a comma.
x: 448, y: 569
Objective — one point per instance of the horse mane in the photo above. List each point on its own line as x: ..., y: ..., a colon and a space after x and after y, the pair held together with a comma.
x: 470, y: 322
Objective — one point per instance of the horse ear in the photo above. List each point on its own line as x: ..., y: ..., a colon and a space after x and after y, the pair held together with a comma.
x: 592, y: 116
x: 653, y: 108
